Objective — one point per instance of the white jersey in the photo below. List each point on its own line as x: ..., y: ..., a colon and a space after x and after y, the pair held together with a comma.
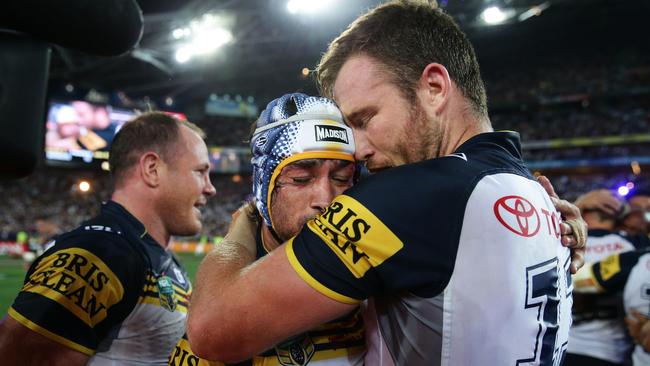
x: 461, y: 255
x: 628, y: 272
x: 598, y: 330
x: 636, y: 296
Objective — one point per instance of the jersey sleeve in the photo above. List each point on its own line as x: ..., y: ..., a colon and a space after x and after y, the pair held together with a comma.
x: 608, y: 275
x: 380, y: 237
x: 79, y: 289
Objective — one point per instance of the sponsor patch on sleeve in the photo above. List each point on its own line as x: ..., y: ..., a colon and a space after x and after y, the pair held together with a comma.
x: 609, y: 267
x: 79, y: 281
x: 356, y: 235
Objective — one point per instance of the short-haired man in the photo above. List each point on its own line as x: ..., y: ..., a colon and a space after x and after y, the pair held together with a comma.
x: 108, y: 293
x: 455, y: 241
x: 301, y: 162
x: 637, y: 220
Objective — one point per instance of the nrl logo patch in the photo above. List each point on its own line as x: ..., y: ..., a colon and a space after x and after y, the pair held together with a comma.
x: 295, y: 351
x: 331, y: 134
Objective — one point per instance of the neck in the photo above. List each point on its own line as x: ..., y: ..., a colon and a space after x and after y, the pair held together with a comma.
x: 141, y: 209
x: 459, y: 128
x: 269, y: 241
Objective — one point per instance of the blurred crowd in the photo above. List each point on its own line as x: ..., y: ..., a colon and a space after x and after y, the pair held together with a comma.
x: 225, y: 131
x: 563, y: 77
x: 584, y: 119
x: 56, y: 196
x: 544, y: 104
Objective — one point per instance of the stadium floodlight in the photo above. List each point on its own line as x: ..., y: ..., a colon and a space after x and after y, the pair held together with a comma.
x: 84, y: 186
x: 202, y: 36
x: 208, y: 40
x: 307, y: 6
x: 178, y: 33
x: 493, y: 15
x: 183, y: 54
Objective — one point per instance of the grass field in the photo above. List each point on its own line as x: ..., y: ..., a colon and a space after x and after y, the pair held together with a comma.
x: 12, y: 275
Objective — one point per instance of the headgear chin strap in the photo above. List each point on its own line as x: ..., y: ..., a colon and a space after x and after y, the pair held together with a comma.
x: 291, y: 128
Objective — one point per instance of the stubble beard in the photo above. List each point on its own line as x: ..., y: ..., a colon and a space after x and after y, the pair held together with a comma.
x: 421, y: 137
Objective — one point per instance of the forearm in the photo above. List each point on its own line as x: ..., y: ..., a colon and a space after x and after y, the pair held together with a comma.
x: 241, y: 311
x: 22, y: 346
x: 217, y: 270
x: 215, y: 284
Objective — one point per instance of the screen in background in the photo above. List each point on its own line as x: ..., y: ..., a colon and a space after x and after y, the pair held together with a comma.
x: 78, y: 131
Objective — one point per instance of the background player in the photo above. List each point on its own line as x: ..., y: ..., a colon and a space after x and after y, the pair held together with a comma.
x: 598, y: 335
x: 108, y: 292
x: 628, y: 272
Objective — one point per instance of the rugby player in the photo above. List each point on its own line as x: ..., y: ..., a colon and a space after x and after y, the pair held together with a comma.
x: 108, y: 293
x: 453, y: 238
x: 300, y: 164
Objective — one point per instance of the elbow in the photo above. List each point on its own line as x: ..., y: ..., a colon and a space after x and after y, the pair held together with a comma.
x: 213, y: 342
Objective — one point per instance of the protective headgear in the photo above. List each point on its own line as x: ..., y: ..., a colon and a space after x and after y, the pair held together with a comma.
x: 291, y: 128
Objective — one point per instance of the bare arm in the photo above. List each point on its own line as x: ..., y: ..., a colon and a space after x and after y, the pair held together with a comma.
x: 20, y: 345
x: 240, y: 309
x: 600, y: 199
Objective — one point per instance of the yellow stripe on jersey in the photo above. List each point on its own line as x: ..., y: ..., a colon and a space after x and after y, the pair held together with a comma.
x: 312, y: 281
x: 356, y: 235
x: 151, y: 300
x: 183, y: 356
x: 151, y: 285
x: 46, y: 333
x: 585, y: 281
x: 79, y: 281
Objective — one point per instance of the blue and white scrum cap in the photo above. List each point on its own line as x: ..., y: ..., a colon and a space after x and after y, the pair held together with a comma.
x: 291, y: 128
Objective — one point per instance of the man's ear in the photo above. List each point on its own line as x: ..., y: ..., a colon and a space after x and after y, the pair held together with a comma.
x: 434, y: 87
x: 151, y: 167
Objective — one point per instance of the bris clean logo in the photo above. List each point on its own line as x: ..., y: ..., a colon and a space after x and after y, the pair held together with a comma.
x: 331, y: 134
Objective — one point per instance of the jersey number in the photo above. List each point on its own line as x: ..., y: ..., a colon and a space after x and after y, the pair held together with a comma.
x: 543, y: 294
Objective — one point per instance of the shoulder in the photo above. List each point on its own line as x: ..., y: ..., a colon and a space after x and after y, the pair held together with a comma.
x: 97, y: 245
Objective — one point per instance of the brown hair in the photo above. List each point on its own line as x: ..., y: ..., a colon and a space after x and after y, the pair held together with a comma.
x: 405, y: 36
x: 151, y: 131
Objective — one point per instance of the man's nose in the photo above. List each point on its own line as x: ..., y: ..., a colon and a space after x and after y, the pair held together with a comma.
x: 323, y: 192
x: 363, y: 150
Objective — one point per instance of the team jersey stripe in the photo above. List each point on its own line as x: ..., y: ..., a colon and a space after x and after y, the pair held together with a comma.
x: 300, y: 270
x: 46, y: 333
x: 79, y: 281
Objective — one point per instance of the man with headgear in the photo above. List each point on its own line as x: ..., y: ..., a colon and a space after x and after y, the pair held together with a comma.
x: 452, y: 237
x: 303, y: 156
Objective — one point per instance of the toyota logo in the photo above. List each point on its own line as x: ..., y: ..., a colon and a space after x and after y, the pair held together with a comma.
x: 518, y: 215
